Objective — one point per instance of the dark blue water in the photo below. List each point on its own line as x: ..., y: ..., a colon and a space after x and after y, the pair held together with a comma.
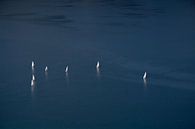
x: 128, y: 38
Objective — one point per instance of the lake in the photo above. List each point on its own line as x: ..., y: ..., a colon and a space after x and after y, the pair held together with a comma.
x: 127, y: 37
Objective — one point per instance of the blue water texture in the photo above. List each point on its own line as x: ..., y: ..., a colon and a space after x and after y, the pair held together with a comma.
x: 127, y: 37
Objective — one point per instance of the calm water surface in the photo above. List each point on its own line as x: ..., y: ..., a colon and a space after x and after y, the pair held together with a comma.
x: 128, y: 38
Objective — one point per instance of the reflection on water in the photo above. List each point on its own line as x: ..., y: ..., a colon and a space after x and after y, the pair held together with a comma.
x: 32, y: 81
x: 32, y: 87
x: 145, y: 83
x: 33, y: 71
x: 98, y: 72
x: 67, y: 78
x: 46, y: 75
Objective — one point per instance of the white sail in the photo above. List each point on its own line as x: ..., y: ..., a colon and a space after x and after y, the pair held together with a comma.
x: 98, y: 65
x: 33, y: 64
x: 32, y: 82
x: 33, y: 77
x: 145, y: 75
x: 66, y: 70
x: 46, y: 69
